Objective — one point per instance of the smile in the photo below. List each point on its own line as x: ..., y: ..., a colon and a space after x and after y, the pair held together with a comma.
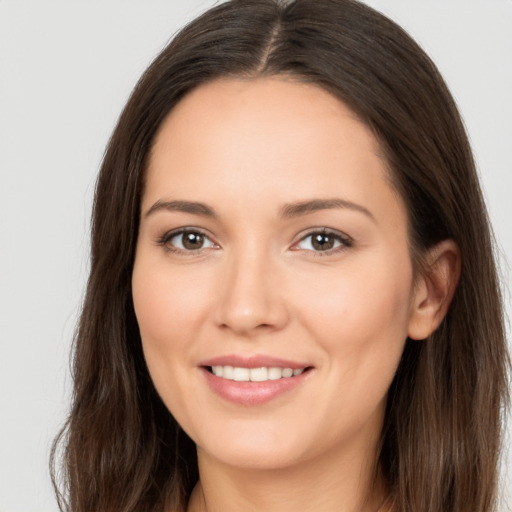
x: 261, y: 374
x: 255, y: 379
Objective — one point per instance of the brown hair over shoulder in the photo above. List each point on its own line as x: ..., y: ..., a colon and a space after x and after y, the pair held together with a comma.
x: 122, y: 450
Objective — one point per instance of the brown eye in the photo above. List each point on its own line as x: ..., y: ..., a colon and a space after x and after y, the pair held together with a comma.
x: 322, y: 241
x: 187, y: 241
x: 192, y: 241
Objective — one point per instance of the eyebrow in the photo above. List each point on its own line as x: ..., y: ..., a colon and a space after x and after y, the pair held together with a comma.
x: 287, y: 211
x: 304, y: 207
x: 183, y: 206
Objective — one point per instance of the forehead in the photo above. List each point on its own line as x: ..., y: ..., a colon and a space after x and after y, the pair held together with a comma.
x: 273, y: 138
x: 261, y: 106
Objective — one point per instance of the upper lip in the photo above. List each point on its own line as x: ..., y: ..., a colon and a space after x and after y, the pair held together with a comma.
x: 253, y: 361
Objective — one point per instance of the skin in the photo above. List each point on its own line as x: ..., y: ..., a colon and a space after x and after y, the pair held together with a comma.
x: 257, y: 285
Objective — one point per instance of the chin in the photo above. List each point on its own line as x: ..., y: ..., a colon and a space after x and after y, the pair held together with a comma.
x: 258, y: 458
x: 258, y: 448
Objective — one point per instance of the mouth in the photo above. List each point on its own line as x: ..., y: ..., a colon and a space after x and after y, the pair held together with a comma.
x: 260, y: 374
x: 255, y: 379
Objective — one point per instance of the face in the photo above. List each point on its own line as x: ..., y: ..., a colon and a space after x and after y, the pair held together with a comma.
x: 272, y: 282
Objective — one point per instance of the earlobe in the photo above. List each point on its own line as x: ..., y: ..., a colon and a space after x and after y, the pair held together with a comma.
x: 434, y: 289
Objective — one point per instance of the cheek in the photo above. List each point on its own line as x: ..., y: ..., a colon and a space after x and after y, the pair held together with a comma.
x: 360, y: 316
x: 169, y: 305
x: 359, y: 320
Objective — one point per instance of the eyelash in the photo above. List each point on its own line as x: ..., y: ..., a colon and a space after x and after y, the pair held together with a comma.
x: 169, y: 235
x: 344, y: 241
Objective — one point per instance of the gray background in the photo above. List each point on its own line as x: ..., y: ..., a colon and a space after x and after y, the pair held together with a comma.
x: 66, y: 69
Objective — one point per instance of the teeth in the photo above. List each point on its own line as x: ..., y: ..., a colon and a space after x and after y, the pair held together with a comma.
x: 218, y: 370
x: 227, y: 372
x: 240, y: 374
x: 275, y: 373
x: 287, y: 372
x: 261, y: 374
x: 258, y: 374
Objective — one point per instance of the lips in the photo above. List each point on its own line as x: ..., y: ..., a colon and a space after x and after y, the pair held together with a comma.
x: 253, y: 380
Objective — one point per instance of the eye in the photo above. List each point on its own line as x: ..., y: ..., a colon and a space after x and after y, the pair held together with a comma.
x: 186, y: 240
x: 323, y: 242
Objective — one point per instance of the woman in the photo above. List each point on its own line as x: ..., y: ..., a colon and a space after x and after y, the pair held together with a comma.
x: 293, y: 299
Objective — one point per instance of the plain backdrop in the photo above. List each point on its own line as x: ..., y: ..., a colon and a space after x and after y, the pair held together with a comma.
x: 66, y: 69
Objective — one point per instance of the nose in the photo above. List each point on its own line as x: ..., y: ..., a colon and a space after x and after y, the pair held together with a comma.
x: 251, y: 297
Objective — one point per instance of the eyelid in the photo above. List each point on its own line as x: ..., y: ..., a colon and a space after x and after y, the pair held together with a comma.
x: 163, y: 240
x: 345, y: 241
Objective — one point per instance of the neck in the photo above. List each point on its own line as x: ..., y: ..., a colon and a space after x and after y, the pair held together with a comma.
x: 330, y: 485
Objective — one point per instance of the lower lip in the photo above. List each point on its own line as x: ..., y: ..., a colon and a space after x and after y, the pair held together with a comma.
x: 252, y: 393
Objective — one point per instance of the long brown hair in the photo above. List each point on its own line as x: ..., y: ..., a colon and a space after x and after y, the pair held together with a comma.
x: 122, y: 450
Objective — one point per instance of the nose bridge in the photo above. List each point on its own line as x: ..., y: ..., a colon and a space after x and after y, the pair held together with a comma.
x: 250, y: 296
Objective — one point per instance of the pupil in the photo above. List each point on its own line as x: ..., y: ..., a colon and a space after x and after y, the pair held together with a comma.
x: 192, y: 240
x: 323, y: 242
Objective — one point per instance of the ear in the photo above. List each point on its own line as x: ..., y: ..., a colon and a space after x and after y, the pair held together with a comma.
x: 434, y: 289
